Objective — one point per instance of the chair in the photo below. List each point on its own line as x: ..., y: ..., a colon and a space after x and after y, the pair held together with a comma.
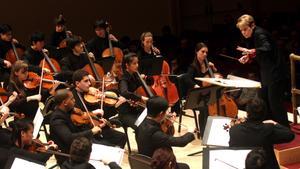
x: 182, y: 89
x: 47, y: 111
x: 139, y: 161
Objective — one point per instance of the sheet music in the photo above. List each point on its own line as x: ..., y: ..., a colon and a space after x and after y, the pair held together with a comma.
x: 100, y: 152
x: 298, y: 109
x: 37, y: 122
x: 21, y: 163
x: 238, y: 83
x: 227, y: 159
x: 218, y: 136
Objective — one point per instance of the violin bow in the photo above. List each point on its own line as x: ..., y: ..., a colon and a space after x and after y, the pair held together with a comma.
x: 42, y: 75
x: 85, y: 108
x: 102, y: 95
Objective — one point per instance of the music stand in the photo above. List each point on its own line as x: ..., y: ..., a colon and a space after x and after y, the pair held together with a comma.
x: 151, y: 66
x: 17, y: 161
x: 107, y: 63
x: 225, y: 157
x: 200, y: 97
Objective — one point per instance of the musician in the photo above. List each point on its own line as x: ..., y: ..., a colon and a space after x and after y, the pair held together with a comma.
x: 149, y: 135
x: 261, y: 47
x: 258, y: 133
x: 34, y: 55
x: 27, y: 101
x: 5, y: 45
x: 163, y: 158
x: 83, y: 86
x: 80, y: 152
x: 199, y: 68
x: 99, y: 43
x: 128, y: 84
x: 148, y: 50
x: 22, y: 134
x: 62, y: 130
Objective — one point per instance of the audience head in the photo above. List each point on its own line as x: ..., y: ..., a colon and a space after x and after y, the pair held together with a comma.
x: 163, y: 158
x: 256, y: 159
x: 80, y: 150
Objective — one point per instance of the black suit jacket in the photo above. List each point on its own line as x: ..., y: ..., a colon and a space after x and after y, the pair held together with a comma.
x: 257, y: 134
x: 150, y: 137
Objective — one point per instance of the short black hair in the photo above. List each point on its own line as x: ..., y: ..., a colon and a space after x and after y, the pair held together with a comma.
x: 256, y: 110
x: 61, y: 95
x: 72, y: 42
x: 5, y: 28
x: 256, y: 159
x: 80, y: 150
x: 101, y: 23
x: 37, y: 36
x: 156, y: 105
x: 78, y: 75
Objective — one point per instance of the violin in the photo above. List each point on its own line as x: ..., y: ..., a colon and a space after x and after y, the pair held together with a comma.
x: 110, y: 99
x: 233, y: 122
x: 79, y: 118
x: 33, y: 81
x: 167, y: 124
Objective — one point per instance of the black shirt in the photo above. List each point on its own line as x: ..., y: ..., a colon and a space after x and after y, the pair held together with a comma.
x: 149, y: 137
x: 258, y: 134
x: 128, y: 85
x: 73, y: 62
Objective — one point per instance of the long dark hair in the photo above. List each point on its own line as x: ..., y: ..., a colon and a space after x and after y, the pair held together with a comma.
x: 19, y: 126
x: 128, y: 59
x: 195, y: 62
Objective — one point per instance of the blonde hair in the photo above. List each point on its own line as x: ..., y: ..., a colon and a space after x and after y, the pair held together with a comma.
x: 245, y: 20
x: 145, y: 34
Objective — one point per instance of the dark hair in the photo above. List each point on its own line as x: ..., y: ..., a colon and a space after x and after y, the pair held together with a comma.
x: 78, y: 75
x: 195, y: 63
x: 60, y: 20
x: 72, y: 42
x: 61, y: 95
x: 5, y: 28
x: 256, y: 159
x: 80, y: 150
x: 37, y: 36
x: 19, y: 126
x: 128, y: 59
x: 163, y: 158
x: 156, y: 105
x: 256, y: 110
x: 101, y: 23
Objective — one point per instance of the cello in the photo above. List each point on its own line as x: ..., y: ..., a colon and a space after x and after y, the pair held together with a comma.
x: 14, y: 54
x: 224, y: 106
x: 51, y: 64
x: 164, y: 87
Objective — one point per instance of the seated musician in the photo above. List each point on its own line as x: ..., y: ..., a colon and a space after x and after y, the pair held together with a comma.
x: 75, y: 59
x: 149, y: 135
x: 199, y: 69
x: 6, y: 39
x: 23, y: 144
x: 255, y: 132
x: 147, y: 49
x: 80, y: 152
x: 128, y: 84
x: 27, y: 101
x: 83, y: 86
x: 100, y: 42
x: 62, y: 130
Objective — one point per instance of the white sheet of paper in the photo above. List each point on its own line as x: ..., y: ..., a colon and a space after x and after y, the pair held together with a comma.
x: 37, y: 122
x: 21, y: 163
x: 227, y: 159
x: 141, y: 118
x: 100, y: 152
x: 218, y: 136
x: 298, y: 108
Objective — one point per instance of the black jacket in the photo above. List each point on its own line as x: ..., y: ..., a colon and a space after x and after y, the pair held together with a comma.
x: 270, y: 62
x: 257, y: 134
x: 150, y: 137
x: 69, y: 165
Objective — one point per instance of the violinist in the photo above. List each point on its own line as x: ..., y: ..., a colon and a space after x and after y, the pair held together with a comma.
x: 62, y: 130
x: 82, y: 86
x: 100, y: 42
x: 27, y: 101
x: 149, y: 135
x: 255, y: 132
x: 22, y: 134
x: 80, y: 152
x: 128, y: 85
x: 199, y: 68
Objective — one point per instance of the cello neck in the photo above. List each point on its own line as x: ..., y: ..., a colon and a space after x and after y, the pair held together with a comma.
x: 15, y: 50
x: 211, y: 73
x: 145, y: 86
x: 91, y: 63
x: 49, y: 62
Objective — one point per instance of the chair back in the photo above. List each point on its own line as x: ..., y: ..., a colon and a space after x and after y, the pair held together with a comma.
x: 139, y: 161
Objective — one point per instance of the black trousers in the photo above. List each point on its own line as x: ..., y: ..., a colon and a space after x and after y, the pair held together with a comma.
x: 111, y: 137
x: 202, y: 119
x: 273, y: 95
